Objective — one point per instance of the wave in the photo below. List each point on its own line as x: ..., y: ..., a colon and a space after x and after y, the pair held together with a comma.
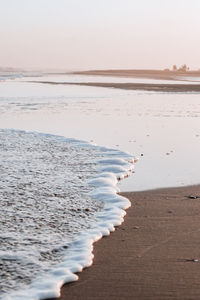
x: 103, y: 209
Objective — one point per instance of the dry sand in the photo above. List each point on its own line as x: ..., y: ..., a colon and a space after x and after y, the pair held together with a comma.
x: 154, y: 255
x: 142, y: 73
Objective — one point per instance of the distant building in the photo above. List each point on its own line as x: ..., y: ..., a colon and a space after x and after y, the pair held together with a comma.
x: 183, y: 68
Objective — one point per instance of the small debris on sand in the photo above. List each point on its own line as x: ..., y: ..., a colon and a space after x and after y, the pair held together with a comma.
x: 193, y: 197
x: 188, y: 260
x: 136, y: 227
x: 192, y: 259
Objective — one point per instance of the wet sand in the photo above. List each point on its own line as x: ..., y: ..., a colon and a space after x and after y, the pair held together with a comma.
x: 170, y: 88
x: 155, y: 254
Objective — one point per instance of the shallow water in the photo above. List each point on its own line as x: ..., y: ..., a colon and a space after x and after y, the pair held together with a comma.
x: 117, y: 79
x: 162, y: 129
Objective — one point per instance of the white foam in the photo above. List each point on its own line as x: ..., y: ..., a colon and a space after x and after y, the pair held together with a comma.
x: 79, y: 253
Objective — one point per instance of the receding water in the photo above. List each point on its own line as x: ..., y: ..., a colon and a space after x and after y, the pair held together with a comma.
x: 161, y: 128
x: 45, y: 202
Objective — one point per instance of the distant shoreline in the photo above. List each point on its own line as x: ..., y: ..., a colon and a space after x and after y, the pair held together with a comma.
x: 179, y: 88
x: 141, y: 73
x: 147, y: 74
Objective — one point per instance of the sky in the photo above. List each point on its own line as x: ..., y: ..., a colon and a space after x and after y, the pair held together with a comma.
x: 99, y: 34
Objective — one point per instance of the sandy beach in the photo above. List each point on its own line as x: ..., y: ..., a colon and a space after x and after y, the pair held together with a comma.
x: 153, y: 255
x: 152, y: 74
x: 87, y: 89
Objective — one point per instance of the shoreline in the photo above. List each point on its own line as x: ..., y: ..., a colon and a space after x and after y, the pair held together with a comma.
x: 141, y: 73
x: 154, y: 254
x: 167, y: 88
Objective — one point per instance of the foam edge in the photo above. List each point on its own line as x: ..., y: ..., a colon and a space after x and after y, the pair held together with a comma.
x: 80, y: 251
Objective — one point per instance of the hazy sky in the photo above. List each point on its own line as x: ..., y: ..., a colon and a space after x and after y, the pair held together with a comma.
x: 88, y: 34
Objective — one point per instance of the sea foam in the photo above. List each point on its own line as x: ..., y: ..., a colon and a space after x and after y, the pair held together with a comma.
x: 107, y: 166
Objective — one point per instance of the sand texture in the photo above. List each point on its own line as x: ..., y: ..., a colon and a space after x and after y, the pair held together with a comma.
x: 155, y: 254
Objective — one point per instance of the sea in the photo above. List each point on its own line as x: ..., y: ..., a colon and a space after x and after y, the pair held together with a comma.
x: 64, y: 152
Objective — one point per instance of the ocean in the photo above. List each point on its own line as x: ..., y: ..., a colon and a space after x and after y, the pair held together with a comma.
x: 64, y: 150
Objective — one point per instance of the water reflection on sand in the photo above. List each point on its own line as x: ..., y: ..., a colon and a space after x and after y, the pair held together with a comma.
x: 162, y: 129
